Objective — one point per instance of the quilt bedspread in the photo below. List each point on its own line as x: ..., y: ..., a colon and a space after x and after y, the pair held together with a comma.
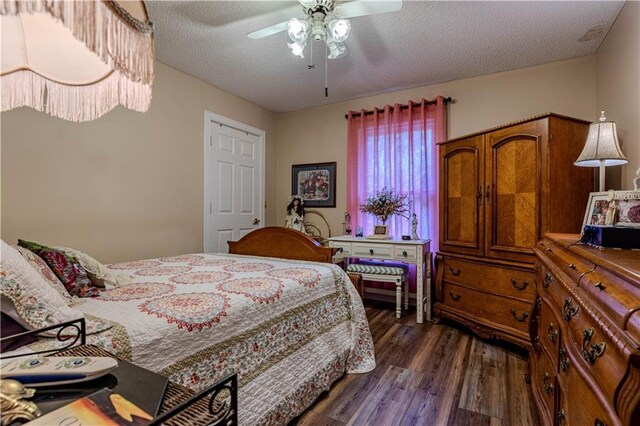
x: 288, y: 328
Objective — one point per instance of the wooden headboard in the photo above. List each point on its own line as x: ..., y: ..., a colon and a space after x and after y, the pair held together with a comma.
x: 285, y: 243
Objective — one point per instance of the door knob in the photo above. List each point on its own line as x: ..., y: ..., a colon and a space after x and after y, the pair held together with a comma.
x: 256, y: 221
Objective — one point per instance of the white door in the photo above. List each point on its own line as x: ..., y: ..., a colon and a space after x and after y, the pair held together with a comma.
x: 234, y: 181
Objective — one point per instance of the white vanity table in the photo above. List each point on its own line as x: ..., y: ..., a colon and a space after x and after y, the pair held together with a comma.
x: 413, y: 252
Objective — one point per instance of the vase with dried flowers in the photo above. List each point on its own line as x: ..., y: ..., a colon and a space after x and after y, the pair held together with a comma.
x: 386, y: 203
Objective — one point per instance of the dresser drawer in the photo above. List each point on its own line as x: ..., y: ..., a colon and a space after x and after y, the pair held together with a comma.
x: 344, y: 249
x: 408, y: 252
x: 581, y: 406
x: 501, y: 280
x: 598, y: 354
x: 573, y: 266
x: 618, y: 298
x: 544, y: 382
x: 482, y: 306
x: 378, y: 251
x: 549, y: 332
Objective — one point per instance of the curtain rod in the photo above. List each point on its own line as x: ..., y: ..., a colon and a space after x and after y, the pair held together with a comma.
x: 357, y: 114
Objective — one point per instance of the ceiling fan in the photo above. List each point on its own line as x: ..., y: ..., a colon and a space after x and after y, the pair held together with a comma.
x: 326, y: 21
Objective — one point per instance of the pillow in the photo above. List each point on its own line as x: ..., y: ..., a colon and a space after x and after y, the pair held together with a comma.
x: 47, y: 274
x: 67, y: 269
x: 27, y: 297
x: 10, y: 327
x: 99, y: 274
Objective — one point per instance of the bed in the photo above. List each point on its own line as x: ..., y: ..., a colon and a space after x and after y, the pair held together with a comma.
x: 274, y: 310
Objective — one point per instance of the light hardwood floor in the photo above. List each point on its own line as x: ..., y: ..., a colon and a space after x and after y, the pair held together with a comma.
x: 428, y: 374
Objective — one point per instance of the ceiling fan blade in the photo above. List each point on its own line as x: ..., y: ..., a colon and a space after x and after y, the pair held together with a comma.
x: 361, y: 8
x: 265, y: 32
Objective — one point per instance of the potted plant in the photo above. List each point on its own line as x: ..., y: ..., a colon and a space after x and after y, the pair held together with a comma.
x: 384, y: 204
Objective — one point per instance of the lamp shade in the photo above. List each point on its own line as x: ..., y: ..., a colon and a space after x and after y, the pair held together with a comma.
x: 76, y: 60
x: 601, y: 147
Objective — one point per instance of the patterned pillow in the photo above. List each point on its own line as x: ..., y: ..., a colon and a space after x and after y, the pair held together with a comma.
x: 99, y: 274
x: 27, y: 297
x: 46, y: 273
x: 72, y: 275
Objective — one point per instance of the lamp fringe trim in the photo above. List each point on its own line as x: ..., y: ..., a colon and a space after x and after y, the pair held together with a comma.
x: 73, y: 103
x: 120, y: 40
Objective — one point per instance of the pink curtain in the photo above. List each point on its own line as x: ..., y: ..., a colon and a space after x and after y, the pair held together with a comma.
x: 397, y: 150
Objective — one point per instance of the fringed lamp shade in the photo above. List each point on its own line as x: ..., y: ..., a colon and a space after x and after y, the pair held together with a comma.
x: 601, y: 148
x: 76, y: 59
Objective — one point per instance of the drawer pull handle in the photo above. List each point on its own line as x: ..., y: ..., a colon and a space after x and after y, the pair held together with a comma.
x: 599, y: 285
x: 521, y: 318
x: 549, y: 250
x: 572, y: 266
x: 536, y: 340
x: 548, y: 387
x: 591, y: 352
x: 561, y: 416
x: 553, y: 334
x: 564, y: 361
x: 455, y: 297
x: 548, y: 279
x: 454, y: 272
x: 370, y: 251
x: 404, y: 253
x: 569, y: 311
x: 517, y: 286
x: 599, y: 422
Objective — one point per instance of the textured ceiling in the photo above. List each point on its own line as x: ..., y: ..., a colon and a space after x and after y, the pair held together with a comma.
x: 425, y: 43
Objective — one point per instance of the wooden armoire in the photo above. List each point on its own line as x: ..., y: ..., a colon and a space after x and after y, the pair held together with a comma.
x: 500, y: 190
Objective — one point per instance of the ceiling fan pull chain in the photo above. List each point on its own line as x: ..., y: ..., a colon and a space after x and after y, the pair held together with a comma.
x: 326, y: 71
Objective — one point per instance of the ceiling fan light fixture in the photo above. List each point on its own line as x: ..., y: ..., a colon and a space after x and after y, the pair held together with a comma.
x: 340, y: 29
x: 297, y: 47
x: 336, y: 49
x: 297, y: 29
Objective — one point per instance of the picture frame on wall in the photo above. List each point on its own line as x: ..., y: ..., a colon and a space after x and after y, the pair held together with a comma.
x: 315, y: 183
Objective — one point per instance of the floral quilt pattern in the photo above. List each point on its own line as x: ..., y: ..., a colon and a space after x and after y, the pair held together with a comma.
x: 287, y: 328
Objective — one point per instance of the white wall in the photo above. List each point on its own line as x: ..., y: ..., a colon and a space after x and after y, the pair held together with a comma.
x: 126, y: 186
x: 319, y: 134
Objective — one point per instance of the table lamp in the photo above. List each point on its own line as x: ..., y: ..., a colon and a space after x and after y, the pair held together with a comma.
x: 601, y: 148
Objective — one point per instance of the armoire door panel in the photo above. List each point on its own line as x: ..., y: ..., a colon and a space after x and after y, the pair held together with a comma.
x: 461, y: 225
x: 513, y: 207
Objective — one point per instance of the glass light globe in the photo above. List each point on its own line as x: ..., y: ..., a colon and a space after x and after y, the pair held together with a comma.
x: 340, y: 29
x: 297, y: 48
x: 335, y: 49
x: 297, y: 29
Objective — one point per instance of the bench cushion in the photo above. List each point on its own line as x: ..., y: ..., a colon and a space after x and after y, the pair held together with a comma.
x: 378, y: 269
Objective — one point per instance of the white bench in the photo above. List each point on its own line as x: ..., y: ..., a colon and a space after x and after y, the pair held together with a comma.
x: 386, y: 272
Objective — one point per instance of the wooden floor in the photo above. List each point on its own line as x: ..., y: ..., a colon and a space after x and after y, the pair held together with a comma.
x: 428, y: 374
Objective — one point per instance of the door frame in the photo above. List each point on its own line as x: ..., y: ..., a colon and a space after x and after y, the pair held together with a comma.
x: 207, y: 202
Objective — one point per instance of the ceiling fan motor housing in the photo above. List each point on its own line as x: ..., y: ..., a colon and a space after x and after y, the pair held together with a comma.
x: 314, y: 6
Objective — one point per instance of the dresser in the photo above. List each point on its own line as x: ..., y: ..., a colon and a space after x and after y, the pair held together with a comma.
x: 500, y: 190
x: 412, y: 252
x: 585, y: 334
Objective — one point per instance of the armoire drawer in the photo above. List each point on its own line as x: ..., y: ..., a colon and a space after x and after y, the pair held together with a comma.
x: 502, y: 280
x: 482, y: 306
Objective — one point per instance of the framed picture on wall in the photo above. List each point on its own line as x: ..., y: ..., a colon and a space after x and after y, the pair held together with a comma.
x: 315, y: 183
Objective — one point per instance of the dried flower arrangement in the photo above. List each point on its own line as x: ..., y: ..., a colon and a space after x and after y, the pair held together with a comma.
x: 386, y: 203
